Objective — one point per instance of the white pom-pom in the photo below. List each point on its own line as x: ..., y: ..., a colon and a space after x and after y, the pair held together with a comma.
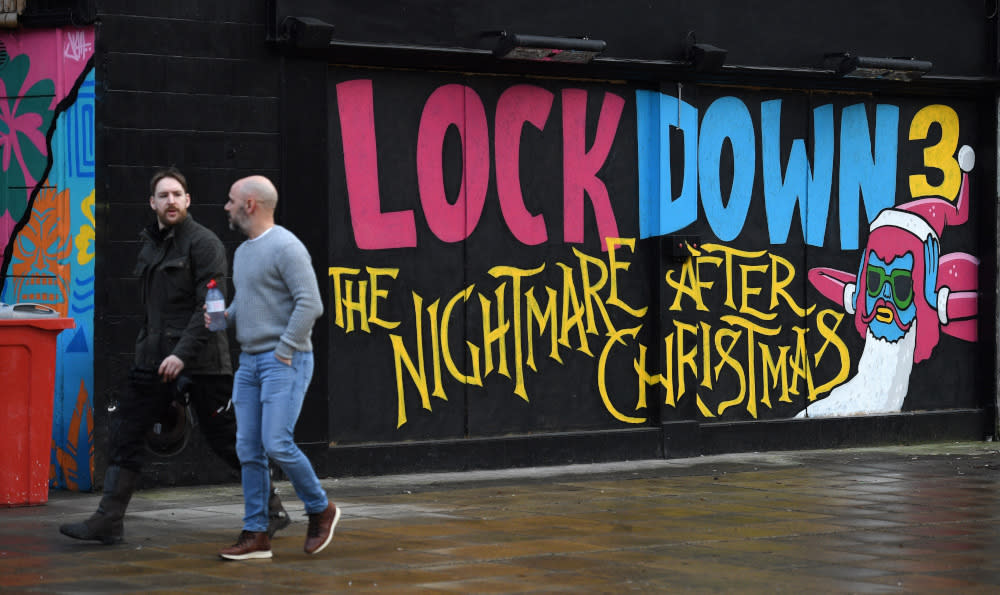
x: 966, y: 158
x: 849, y: 290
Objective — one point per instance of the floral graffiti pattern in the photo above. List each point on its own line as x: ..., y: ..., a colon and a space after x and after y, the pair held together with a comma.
x: 47, y: 218
x: 25, y: 115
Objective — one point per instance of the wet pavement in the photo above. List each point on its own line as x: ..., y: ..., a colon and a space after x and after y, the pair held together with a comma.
x: 908, y: 519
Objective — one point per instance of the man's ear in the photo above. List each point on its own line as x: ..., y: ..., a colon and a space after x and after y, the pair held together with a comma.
x: 152, y: 204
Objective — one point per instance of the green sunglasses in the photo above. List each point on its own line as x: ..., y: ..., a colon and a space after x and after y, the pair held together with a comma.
x: 901, y: 281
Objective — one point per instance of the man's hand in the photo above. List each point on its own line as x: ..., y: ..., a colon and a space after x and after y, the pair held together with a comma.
x: 170, y: 367
x: 208, y: 320
x: 287, y: 362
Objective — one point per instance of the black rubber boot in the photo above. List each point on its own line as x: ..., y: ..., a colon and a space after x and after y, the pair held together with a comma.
x: 277, y: 518
x: 106, y: 525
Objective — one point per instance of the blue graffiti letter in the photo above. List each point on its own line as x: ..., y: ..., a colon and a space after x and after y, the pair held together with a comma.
x: 802, y: 183
x: 726, y: 118
x: 659, y: 212
x: 873, y: 175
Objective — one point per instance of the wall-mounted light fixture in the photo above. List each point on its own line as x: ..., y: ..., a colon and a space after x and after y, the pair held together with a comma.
x: 890, y: 69
x: 706, y: 57
x: 542, y: 48
x: 306, y: 32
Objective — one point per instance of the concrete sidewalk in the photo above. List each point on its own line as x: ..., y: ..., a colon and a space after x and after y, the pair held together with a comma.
x: 876, y: 520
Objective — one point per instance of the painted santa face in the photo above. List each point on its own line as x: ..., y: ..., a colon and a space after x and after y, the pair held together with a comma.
x: 890, y: 306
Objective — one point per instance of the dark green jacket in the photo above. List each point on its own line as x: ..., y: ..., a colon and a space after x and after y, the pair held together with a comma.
x: 174, y: 269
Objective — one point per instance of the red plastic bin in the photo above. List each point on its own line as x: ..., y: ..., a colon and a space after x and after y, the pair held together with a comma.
x: 27, y: 382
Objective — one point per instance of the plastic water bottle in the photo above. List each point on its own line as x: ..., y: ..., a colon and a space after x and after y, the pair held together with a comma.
x: 216, y: 306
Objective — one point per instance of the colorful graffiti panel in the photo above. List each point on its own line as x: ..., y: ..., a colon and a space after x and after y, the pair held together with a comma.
x: 533, y: 256
x: 47, y: 126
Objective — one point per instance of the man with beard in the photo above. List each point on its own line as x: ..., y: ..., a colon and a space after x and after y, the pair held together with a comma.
x: 275, y: 305
x: 177, y: 259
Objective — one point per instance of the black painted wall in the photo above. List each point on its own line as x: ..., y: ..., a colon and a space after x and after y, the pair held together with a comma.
x: 189, y: 84
x: 211, y: 88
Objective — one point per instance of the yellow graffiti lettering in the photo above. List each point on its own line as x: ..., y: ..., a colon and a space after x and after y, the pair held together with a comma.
x: 939, y: 156
x: 645, y: 379
x: 495, y: 334
x: 402, y: 359
x: 685, y: 359
x: 356, y: 306
x: 800, y: 364
x: 602, y: 384
x: 729, y: 254
x: 516, y: 276
x: 378, y: 293
x: 749, y: 290
x: 614, y: 266
x: 687, y: 286
x: 735, y: 351
x: 830, y: 336
x: 364, y: 307
x: 702, y: 407
x: 727, y: 360
x: 338, y: 300
x: 668, y: 377
x: 436, y: 351
x: 706, y: 355
x: 573, y: 312
x: 543, y: 319
x: 591, y: 299
x: 753, y: 330
x: 778, y: 286
x: 84, y: 239
x: 778, y: 370
x: 449, y: 362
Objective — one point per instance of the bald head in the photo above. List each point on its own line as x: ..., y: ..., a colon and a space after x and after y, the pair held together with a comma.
x: 258, y: 188
x: 251, y: 205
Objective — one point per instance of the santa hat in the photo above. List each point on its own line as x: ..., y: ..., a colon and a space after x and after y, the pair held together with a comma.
x: 927, y: 217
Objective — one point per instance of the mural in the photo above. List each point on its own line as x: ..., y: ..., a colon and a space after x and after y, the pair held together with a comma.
x: 47, y: 217
x: 510, y: 262
x: 909, y: 294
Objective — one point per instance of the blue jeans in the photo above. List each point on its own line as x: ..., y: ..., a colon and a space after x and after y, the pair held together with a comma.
x: 267, y: 396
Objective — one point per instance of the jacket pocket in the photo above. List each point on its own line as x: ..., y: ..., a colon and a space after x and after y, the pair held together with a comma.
x: 178, y: 273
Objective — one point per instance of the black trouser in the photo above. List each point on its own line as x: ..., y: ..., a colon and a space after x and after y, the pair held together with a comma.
x: 148, y: 399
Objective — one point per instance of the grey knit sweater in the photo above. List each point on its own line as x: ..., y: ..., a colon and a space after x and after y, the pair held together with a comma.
x: 277, y: 297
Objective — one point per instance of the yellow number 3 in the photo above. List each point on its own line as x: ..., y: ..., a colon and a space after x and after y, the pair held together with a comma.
x: 940, y: 156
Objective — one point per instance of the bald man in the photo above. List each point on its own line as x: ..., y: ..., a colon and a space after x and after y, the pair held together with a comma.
x: 275, y: 305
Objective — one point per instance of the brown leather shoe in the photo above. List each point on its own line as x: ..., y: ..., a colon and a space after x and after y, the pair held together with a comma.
x: 251, y: 545
x: 320, y: 531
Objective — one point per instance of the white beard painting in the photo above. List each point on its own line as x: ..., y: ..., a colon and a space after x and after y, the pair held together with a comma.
x: 880, y: 385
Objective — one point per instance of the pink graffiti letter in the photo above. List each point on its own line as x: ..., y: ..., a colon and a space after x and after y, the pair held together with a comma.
x: 517, y: 105
x: 459, y: 106
x: 373, y: 229
x: 580, y: 166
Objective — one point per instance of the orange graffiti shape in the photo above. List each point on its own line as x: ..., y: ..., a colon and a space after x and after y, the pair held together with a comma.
x: 40, y: 263
x: 66, y: 459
